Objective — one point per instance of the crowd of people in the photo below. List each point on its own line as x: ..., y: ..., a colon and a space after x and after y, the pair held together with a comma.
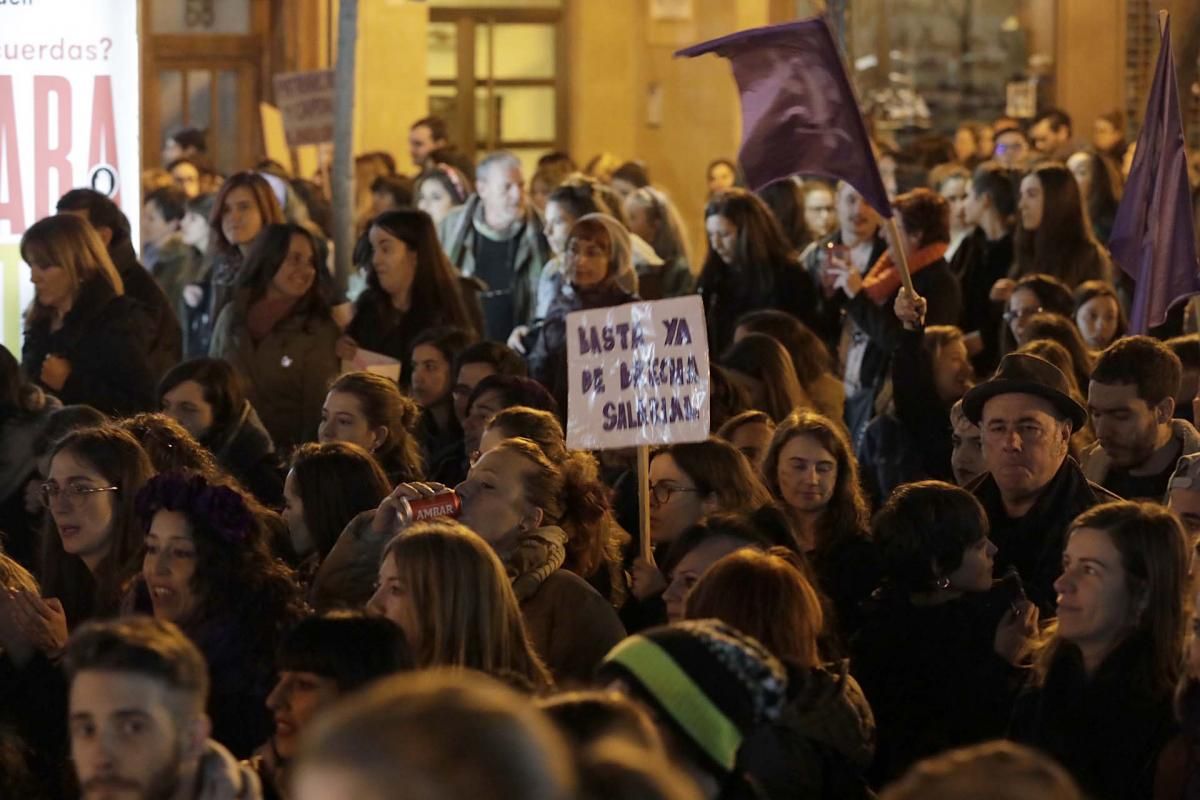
x: 938, y: 542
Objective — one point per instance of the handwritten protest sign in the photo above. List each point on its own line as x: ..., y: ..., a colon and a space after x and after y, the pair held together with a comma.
x: 638, y: 375
x: 306, y: 101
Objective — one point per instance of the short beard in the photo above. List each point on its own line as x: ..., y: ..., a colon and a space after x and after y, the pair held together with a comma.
x: 164, y: 783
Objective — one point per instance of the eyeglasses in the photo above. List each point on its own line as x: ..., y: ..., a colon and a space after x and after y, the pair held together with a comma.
x: 73, y: 494
x: 661, y: 492
x: 1021, y: 313
x: 1028, y: 433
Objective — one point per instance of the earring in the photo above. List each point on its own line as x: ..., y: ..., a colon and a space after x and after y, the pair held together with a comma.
x: 942, y: 582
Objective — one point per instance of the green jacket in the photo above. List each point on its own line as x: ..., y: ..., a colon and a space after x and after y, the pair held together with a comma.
x: 287, y: 374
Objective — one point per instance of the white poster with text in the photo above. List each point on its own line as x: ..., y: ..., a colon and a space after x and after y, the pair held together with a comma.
x: 638, y: 375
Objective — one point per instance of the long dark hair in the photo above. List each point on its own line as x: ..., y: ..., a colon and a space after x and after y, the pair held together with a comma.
x: 122, y: 462
x: 267, y: 256
x: 337, y: 481
x: 18, y: 395
x: 761, y: 247
x: 222, y: 388
x: 1063, y: 244
x: 847, y: 513
x: 435, y: 288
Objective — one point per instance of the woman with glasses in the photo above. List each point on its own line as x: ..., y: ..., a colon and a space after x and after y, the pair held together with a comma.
x: 811, y: 471
x: 1031, y: 294
x: 279, y: 333
x: 368, y: 410
x: 83, y: 338
x: 92, y: 536
x: 598, y: 250
x: 688, y: 482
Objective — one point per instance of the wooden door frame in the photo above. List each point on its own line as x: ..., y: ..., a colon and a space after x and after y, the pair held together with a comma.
x: 246, y: 54
x: 465, y: 19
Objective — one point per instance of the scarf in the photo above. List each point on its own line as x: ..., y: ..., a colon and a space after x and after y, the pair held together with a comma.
x: 263, y: 316
x: 883, y: 279
x: 538, y: 555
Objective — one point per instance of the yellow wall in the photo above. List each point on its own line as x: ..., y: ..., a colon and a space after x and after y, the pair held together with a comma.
x: 1090, y: 62
x: 617, y: 53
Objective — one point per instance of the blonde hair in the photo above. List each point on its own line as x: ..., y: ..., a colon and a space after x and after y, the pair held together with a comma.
x: 466, y: 611
x: 69, y: 242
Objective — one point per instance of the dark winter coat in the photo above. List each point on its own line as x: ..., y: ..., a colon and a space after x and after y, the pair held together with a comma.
x: 287, y: 374
x: 978, y: 264
x: 727, y: 296
x: 1107, y: 730
x: 163, y: 334
x: 1034, y: 543
x: 932, y: 676
x: 571, y: 626
x: 103, y: 338
x: 246, y: 451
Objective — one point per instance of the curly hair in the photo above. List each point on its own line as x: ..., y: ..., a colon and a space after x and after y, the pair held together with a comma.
x: 584, y: 555
x: 169, y: 445
x: 235, y: 570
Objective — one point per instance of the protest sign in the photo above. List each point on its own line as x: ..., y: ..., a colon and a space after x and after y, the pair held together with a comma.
x: 306, y: 101
x: 638, y: 374
x: 63, y: 64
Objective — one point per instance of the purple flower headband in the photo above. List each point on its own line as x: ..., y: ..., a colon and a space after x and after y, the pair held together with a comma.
x: 221, y: 508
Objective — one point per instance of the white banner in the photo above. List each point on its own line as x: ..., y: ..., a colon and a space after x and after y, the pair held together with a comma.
x: 638, y: 375
x: 70, y: 116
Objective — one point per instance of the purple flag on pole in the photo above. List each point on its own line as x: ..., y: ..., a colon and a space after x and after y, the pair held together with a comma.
x: 1153, y: 236
x: 799, y: 114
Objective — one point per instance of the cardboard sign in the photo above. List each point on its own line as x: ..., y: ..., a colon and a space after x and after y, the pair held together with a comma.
x: 306, y: 101
x: 69, y: 118
x: 638, y: 375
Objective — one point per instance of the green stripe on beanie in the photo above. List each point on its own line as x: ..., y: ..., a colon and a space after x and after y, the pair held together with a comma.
x: 678, y: 696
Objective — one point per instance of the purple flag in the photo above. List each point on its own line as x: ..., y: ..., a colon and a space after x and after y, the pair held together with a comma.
x: 799, y: 114
x: 1153, y: 236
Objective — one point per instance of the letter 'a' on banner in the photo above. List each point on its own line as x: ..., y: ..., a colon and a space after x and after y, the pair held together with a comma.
x: 638, y: 375
x: 69, y: 118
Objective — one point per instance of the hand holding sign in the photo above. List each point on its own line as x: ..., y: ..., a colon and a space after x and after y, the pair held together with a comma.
x: 638, y: 376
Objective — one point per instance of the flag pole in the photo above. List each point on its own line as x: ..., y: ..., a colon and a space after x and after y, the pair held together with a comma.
x: 643, y: 478
x: 899, y: 256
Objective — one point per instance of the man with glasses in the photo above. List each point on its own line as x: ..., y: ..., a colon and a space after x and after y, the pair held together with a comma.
x: 1033, y: 488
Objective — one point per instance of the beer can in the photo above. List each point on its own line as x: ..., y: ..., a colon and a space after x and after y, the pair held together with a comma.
x: 442, y: 504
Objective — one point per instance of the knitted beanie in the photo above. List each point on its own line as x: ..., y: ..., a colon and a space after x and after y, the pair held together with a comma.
x: 714, y: 684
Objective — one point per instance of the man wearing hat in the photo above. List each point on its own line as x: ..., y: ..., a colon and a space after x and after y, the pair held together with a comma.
x: 1131, y: 398
x: 1033, y: 488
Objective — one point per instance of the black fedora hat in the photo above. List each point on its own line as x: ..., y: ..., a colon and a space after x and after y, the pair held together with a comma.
x: 1021, y: 373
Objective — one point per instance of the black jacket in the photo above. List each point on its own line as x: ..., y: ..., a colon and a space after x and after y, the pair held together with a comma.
x: 847, y: 571
x: 1034, y: 543
x: 163, y: 336
x: 727, y: 297
x: 103, y: 338
x: 915, y: 441
x: 932, y: 676
x: 1107, y: 731
x: 878, y: 321
x: 978, y: 264
x: 245, y: 449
